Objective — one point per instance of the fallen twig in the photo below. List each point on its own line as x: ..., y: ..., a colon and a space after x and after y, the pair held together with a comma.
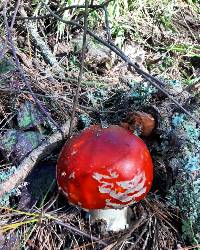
x: 15, y: 14
x: 188, y: 248
x: 136, y: 225
x: 32, y: 159
x: 2, y: 52
x: 79, y: 232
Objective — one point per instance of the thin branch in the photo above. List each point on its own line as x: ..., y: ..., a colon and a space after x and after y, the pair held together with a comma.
x: 9, y: 36
x: 153, y: 80
x: 191, y: 247
x: 79, y: 232
x: 51, y: 202
x: 91, y: 6
x: 2, y: 52
x: 107, y: 24
x: 81, y: 67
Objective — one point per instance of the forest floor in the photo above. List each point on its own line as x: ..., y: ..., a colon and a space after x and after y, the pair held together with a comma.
x: 40, y: 60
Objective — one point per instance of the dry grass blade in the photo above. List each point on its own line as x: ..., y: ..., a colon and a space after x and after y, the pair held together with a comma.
x: 81, y: 68
x: 161, y: 214
x: 92, y: 6
x: 188, y: 248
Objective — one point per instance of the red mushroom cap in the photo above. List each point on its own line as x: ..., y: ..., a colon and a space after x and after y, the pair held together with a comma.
x: 105, y: 168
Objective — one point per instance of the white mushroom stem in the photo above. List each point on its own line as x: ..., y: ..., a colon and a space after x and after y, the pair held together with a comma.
x: 116, y: 219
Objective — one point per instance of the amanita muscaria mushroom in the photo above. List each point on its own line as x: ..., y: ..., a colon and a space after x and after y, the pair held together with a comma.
x: 104, y: 170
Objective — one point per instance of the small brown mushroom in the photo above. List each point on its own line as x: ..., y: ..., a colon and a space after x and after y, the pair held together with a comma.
x: 141, y: 121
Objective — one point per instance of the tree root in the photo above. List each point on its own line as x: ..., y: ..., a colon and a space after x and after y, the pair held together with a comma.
x: 33, y: 158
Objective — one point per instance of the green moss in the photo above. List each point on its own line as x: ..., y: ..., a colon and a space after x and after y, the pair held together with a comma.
x: 186, y: 191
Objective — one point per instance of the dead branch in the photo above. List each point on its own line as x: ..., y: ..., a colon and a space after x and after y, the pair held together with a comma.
x: 33, y: 158
x: 3, y: 49
x: 75, y: 102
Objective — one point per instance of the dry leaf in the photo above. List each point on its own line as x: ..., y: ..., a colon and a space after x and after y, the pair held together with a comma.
x: 140, y: 121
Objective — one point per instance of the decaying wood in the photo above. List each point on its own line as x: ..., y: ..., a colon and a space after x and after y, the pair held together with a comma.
x: 44, y: 48
x: 33, y: 158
